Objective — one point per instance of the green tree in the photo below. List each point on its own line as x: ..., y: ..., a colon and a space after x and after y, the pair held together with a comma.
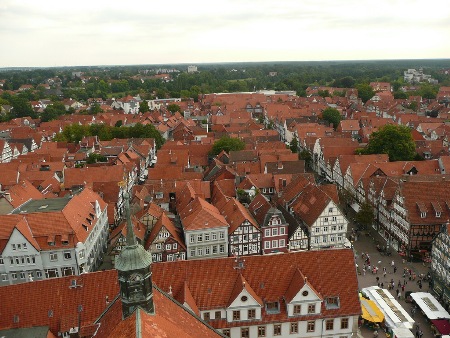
x: 94, y: 158
x: 305, y: 155
x: 365, y: 215
x: 394, y: 140
x: 227, y: 143
x: 332, y: 116
x: 294, y: 145
x: 173, y: 108
x: 365, y: 92
x: 143, y: 106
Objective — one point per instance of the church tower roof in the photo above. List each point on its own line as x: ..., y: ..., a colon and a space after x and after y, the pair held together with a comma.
x: 133, y: 255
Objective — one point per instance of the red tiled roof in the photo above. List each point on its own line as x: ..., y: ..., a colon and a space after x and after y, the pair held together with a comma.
x: 269, y: 276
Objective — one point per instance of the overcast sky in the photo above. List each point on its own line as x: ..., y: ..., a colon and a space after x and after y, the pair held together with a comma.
x: 111, y: 32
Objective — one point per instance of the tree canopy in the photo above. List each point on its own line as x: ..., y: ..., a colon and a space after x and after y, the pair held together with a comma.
x: 75, y: 132
x: 365, y: 215
x: 394, y: 140
x: 228, y: 144
x: 332, y: 116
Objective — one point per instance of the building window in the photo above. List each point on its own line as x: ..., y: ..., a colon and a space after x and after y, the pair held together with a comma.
x: 334, y: 218
x: 267, y: 232
x: 261, y: 331
x: 214, y: 236
x: 207, y: 237
x: 24, y: 245
x: 221, y: 235
x: 325, y: 229
x: 330, y: 209
x: 251, y: 314
x: 14, y: 276
x: 282, y: 243
x: 174, y: 246
x: 158, y: 246
x: 22, y: 275
x: 1, y: 261
x: 274, y: 232
x: 329, y: 324
x: 68, y: 271
x: 53, y: 256
x: 272, y: 307
x: 200, y: 251
x: 312, y: 308
x: 199, y: 238
x: 236, y: 315
x: 226, y: 332
x: 344, y: 323
x: 282, y: 231
x: 317, y: 229
x: 168, y: 246
x: 311, y: 327
x: 274, y: 244
x: 214, y: 249
x: 51, y: 273
x: 294, y: 328
x: 222, y: 248
x: 218, y: 315
x: 277, y: 330
x: 245, y: 332
x: 13, y: 246
x: 325, y: 219
x: 206, y: 316
x: 297, y: 309
x: 67, y: 255
x: 267, y: 245
x: 4, y: 277
x: 192, y: 252
x: 191, y: 239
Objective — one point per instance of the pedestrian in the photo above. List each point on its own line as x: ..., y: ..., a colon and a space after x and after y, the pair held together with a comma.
x: 399, y: 295
x: 384, y: 269
x: 398, y: 292
x: 378, y: 280
x: 395, y: 269
x: 420, y: 334
x: 403, y: 287
x: 375, y: 333
x: 384, y: 274
x: 382, y: 285
x: 399, y: 283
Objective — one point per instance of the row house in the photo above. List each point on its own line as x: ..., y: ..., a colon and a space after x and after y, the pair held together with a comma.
x: 317, y: 208
x: 301, y: 294
x: 330, y: 147
x: 6, y: 152
x: 53, y: 237
x: 343, y: 162
x: 165, y: 241
x: 440, y: 265
x: 244, y: 233
x: 274, y: 228
x: 419, y: 211
x: 205, y: 230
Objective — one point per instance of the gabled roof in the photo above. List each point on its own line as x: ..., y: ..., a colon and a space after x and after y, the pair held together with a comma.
x: 212, y: 281
x: 164, y: 222
x: 240, y: 285
x: 199, y: 214
x: 22, y: 192
x: 236, y: 214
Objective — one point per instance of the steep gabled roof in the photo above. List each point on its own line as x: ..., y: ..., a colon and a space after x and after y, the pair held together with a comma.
x: 236, y: 214
x: 199, y: 214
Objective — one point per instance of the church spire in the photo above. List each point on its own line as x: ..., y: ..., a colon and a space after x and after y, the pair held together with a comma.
x: 131, y: 238
x: 135, y: 272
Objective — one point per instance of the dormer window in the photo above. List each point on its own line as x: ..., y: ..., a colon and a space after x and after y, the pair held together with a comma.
x: 332, y: 303
x: 273, y: 307
x: 423, y: 214
x: 438, y: 214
